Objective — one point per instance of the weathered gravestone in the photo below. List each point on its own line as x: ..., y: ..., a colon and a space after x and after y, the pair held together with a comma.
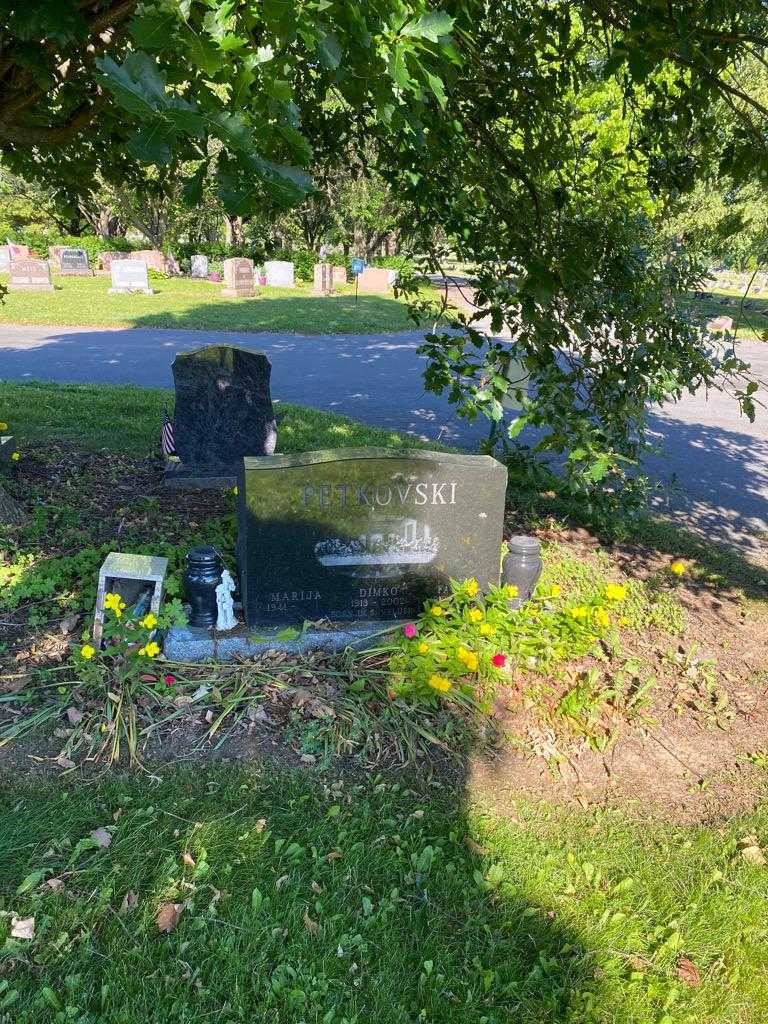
x: 223, y: 412
x: 129, y: 276
x: 364, y: 534
x: 719, y: 324
x: 199, y: 266
x: 5, y: 259
x: 73, y: 262
x: 153, y: 258
x: 323, y: 279
x: 30, y: 275
x: 376, y: 280
x: 238, y: 279
x: 280, y: 274
x: 106, y: 259
x: 339, y: 275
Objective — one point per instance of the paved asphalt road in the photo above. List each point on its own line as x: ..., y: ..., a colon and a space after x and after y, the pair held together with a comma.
x: 716, y: 460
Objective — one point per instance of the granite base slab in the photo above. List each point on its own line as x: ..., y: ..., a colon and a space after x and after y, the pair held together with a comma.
x: 200, y: 478
x: 186, y: 643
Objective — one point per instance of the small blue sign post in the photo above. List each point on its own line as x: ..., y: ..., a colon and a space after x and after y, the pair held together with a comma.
x: 357, y: 266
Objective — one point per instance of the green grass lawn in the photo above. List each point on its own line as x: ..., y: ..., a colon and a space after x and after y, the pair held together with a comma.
x: 199, y: 305
x: 304, y: 899
x: 124, y: 418
x: 752, y: 321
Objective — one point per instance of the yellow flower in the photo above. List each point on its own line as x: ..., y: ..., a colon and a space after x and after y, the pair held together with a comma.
x: 475, y: 615
x: 436, y: 610
x: 115, y: 603
x: 234, y: 490
x: 615, y: 591
x: 468, y: 658
x: 578, y: 612
x: 87, y: 652
x: 677, y: 567
x: 555, y: 590
x: 3, y: 426
x: 486, y: 629
x: 471, y: 587
x: 15, y: 456
x: 423, y: 648
x: 149, y: 621
x: 149, y: 650
x: 510, y: 591
x: 623, y: 621
x: 602, y: 618
x: 440, y: 683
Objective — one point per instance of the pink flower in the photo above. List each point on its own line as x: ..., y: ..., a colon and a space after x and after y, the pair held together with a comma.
x: 409, y: 630
x: 169, y: 680
x: 499, y: 660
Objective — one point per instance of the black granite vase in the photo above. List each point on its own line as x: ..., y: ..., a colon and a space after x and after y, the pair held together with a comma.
x: 522, y: 567
x: 203, y: 575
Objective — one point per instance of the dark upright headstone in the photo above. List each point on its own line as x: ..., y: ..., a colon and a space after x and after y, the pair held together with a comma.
x: 364, y: 534
x: 73, y: 262
x: 223, y: 412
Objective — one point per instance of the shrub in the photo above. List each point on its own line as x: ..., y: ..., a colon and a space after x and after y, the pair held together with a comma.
x: 303, y: 260
x: 403, y: 264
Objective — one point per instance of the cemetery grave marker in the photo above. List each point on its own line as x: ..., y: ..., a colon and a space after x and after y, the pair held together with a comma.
x: 5, y: 259
x: 129, y: 576
x: 238, y: 279
x: 30, y: 275
x: 376, y: 280
x: 361, y: 534
x: 280, y: 274
x: 339, y: 275
x: 323, y: 279
x: 223, y: 411
x: 73, y: 262
x: 104, y: 265
x: 152, y: 257
x: 129, y: 276
x: 199, y: 266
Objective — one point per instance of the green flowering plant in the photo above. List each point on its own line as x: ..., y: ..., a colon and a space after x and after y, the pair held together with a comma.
x: 465, y: 644
x: 124, y: 667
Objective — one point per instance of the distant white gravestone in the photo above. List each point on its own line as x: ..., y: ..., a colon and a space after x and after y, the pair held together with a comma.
x: 199, y: 266
x: 280, y: 274
x: 129, y: 276
x: 5, y: 259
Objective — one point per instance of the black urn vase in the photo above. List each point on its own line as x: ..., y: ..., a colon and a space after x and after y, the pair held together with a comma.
x: 203, y: 575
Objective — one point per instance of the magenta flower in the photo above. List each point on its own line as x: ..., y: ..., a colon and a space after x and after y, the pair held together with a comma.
x: 409, y: 630
x: 169, y: 680
x: 499, y: 660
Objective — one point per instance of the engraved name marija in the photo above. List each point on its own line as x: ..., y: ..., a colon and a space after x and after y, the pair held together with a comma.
x: 381, y: 495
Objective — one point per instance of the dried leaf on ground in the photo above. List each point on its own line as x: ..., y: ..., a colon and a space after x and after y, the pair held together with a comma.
x: 260, y: 825
x: 332, y: 856
x: 475, y: 847
x: 687, y: 971
x: 751, y: 851
x: 74, y: 715
x: 188, y: 860
x: 23, y: 927
x: 316, y: 888
x: 129, y: 901
x: 64, y: 762
x: 69, y: 622
x: 168, y: 916
x: 102, y: 837
x: 281, y: 882
x: 55, y: 883
x: 312, y: 926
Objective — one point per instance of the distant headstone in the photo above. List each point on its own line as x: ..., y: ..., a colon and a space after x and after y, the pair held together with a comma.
x: 19, y: 252
x: 30, y: 275
x: 339, y: 275
x: 238, y: 279
x: 280, y: 274
x: 223, y: 412
x: 172, y: 267
x: 199, y: 266
x: 364, y: 533
x: 5, y: 259
x: 720, y: 323
x: 152, y: 257
x: 129, y: 276
x: 376, y: 280
x: 323, y: 279
x: 73, y: 262
x: 106, y: 259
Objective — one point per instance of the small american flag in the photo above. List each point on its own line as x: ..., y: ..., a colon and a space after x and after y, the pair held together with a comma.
x: 169, y: 447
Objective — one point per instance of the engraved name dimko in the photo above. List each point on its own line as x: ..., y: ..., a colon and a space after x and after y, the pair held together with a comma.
x: 405, y: 493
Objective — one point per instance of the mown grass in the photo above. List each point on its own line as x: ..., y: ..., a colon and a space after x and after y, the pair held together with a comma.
x: 312, y: 900
x: 124, y: 418
x: 751, y: 319
x: 182, y: 302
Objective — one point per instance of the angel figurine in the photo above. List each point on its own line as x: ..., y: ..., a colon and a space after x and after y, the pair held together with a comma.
x: 225, y: 619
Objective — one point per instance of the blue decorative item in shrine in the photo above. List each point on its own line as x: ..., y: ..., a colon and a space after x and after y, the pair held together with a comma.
x: 203, y: 575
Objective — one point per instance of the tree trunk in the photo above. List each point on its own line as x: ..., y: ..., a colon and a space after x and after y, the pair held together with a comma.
x: 10, y: 513
x: 234, y: 230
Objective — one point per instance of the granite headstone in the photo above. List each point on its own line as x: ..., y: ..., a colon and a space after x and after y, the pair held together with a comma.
x: 152, y: 257
x: 339, y: 275
x: 223, y: 411
x: 280, y: 274
x: 199, y: 266
x: 30, y: 275
x: 238, y: 279
x: 364, y: 534
x: 376, y: 280
x: 5, y: 259
x: 73, y: 262
x: 129, y: 276
x: 323, y: 279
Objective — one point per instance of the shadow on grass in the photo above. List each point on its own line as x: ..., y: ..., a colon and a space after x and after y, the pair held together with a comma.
x: 302, y: 901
